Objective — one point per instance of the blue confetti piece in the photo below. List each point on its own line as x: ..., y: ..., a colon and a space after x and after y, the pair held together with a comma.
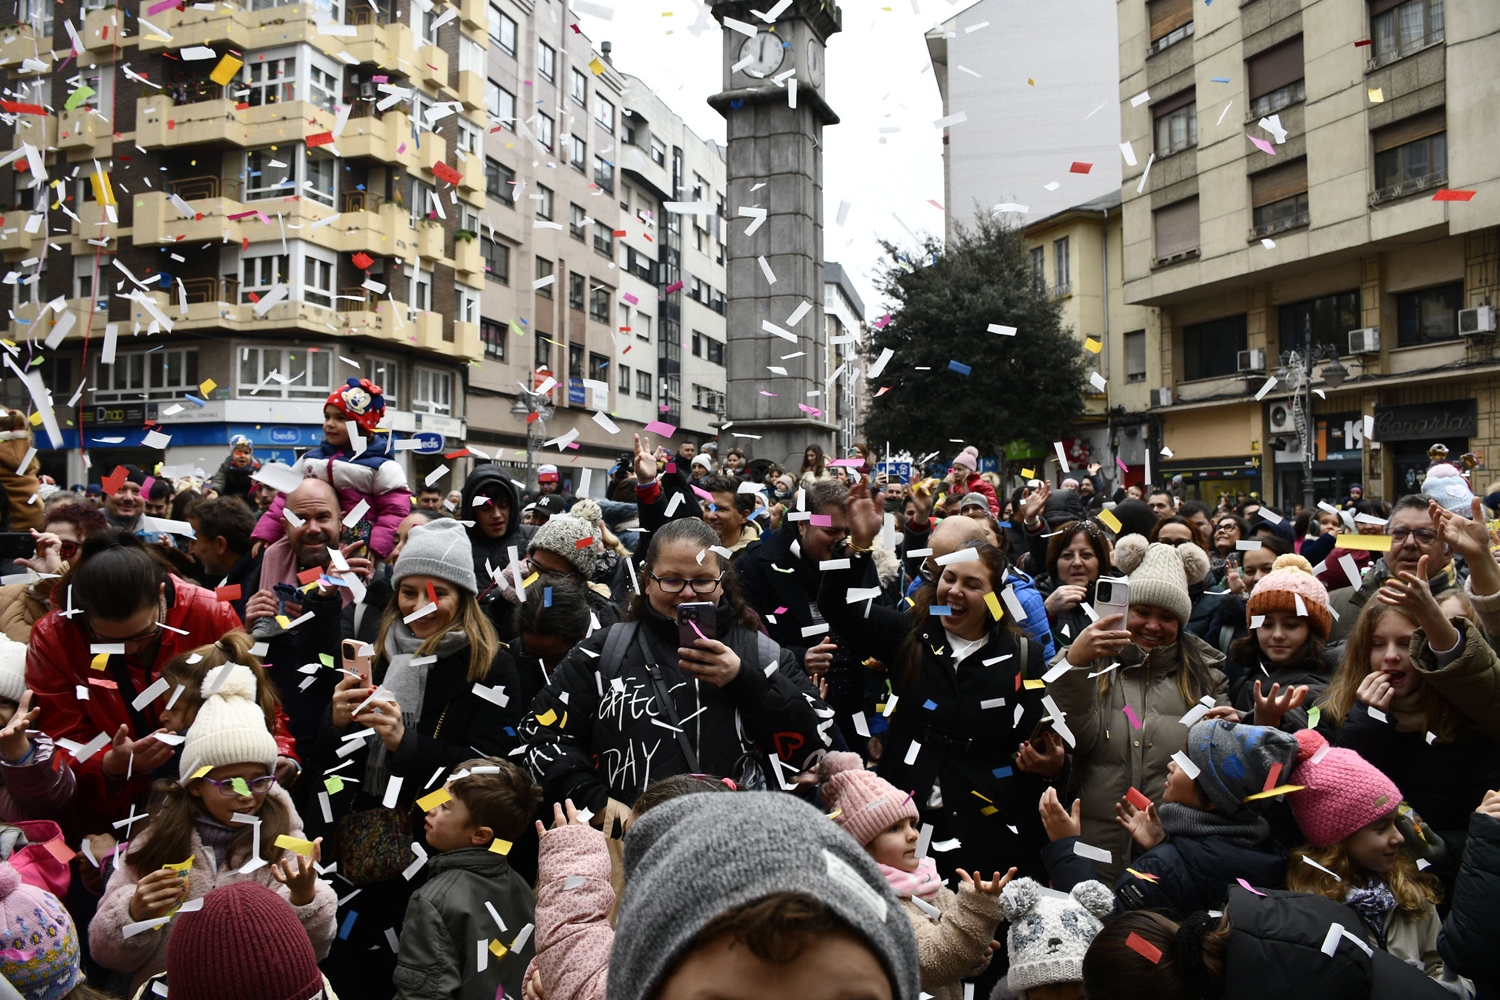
x: 929, y: 704
x: 547, y: 597
x: 347, y: 925
x: 962, y: 369
x: 941, y: 610
x: 1001, y: 772
x: 510, y: 730
x: 736, y: 105
x: 1221, y: 79
x: 194, y: 400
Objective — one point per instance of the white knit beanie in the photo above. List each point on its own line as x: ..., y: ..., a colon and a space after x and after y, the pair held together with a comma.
x: 12, y: 669
x: 1050, y: 933
x: 230, y: 727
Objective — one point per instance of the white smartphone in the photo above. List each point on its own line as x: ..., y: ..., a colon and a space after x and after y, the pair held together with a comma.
x: 1112, y: 597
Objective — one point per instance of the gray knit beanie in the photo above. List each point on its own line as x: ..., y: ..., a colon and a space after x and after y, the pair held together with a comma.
x: 1235, y: 760
x: 438, y: 548
x: 560, y: 536
x: 695, y: 858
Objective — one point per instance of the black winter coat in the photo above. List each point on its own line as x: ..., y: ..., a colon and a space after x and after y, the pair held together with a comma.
x: 966, y: 750
x: 1468, y: 937
x: 1310, y: 672
x: 1276, y: 950
x: 595, y: 732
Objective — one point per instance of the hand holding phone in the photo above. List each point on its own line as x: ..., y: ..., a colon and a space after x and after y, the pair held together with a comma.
x: 354, y: 661
x: 1112, y: 597
x: 703, y: 615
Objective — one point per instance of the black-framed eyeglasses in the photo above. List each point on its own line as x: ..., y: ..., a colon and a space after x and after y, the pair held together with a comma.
x: 675, y: 585
x: 257, y: 786
x: 1423, y: 536
x: 146, y: 636
x: 1226, y: 526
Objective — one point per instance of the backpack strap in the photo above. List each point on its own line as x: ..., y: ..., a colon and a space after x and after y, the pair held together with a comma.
x: 666, y: 703
x: 1025, y: 655
x: 620, y: 636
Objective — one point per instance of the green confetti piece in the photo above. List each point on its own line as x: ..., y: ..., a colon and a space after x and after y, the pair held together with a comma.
x: 239, y: 786
x: 1313, y: 714
x: 327, y: 659
x: 78, y: 96
x: 334, y: 784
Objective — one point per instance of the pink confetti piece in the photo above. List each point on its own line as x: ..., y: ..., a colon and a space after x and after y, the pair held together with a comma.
x: 821, y: 520
x: 1123, y: 467
x: 157, y: 8
x: 702, y: 636
x: 675, y: 286
x: 810, y: 409
x: 883, y: 322
x: 765, y: 393
x: 703, y: 494
x: 401, y: 149
x: 631, y: 298
x: 779, y: 611
x: 1135, y: 722
x: 851, y: 463
x: 657, y: 427
x: 1248, y: 887
x: 1261, y: 144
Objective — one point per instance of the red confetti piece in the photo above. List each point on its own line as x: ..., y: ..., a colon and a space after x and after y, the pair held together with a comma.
x: 620, y: 233
x: 457, y: 454
x: 532, y: 416
x: 230, y: 592
x: 16, y: 107
x: 1361, y: 43
x: 362, y: 260
x: 443, y: 172
x: 111, y: 483
x: 583, y: 543
x: 431, y: 592
x: 1080, y: 168
x: 309, y: 575
x: 1136, y: 798
x: 1274, y: 774
x: 319, y: 139
x: 1446, y: 194
x: 1144, y: 948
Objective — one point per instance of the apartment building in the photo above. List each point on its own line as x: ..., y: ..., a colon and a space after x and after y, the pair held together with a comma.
x: 844, y: 399
x: 217, y: 212
x: 587, y: 279
x: 1298, y: 200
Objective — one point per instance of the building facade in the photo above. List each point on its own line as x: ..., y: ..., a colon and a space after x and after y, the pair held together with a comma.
x: 844, y: 395
x: 1298, y: 198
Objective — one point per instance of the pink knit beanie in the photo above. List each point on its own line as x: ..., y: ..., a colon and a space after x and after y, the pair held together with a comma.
x: 861, y: 801
x: 1291, y: 577
x: 1342, y: 791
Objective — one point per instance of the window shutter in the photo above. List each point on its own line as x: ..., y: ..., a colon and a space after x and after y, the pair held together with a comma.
x: 1275, y: 68
x: 1411, y: 129
x: 1378, y: 7
x: 1279, y: 182
x: 1176, y: 228
x: 1135, y: 353
x: 1169, y: 15
x: 1181, y: 99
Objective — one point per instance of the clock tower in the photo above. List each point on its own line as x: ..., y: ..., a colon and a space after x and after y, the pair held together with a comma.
x: 773, y: 103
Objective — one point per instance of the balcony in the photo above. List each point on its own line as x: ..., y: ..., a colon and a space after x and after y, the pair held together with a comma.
x: 432, y: 66
x: 163, y: 124
x: 387, y: 139
x: 94, y: 222
x: 426, y: 331
x: 465, y: 343
x: 471, y: 90
x: 434, y: 151
x: 1061, y: 290
x: 18, y: 43
x: 1414, y: 185
x: 466, y: 257
x: 101, y: 31
x: 1278, y: 226
x: 384, y: 230
x: 473, y: 13
x: 430, y: 239
x: 17, y: 244
x: 81, y: 129
x: 25, y: 327
x: 382, y: 44
x: 239, y: 27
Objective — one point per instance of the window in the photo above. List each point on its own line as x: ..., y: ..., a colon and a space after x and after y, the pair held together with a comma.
x: 318, y: 270
x: 468, y: 305
x: 1429, y: 315
x: 258, y: 275
x: 1279, y: 197
x: 419, y: 287
x: 544, y: 131
x: 433, y: 392
x: 499, y: 181
x: 577, y: 222
x: 543, y: 199
x: 1176, y: 229
x: 496, y: 259
x: 469, y: 136
x: 277, y: 173
x: 83, y: 275
x: 707, y: 399
x: 643, y: 385
x: 580, y: 93
x: 604, y: 239
x: 386, y: 374
x: 697, y: 344
x: 502, y: 30
x: 575, y: 361
x: 38, y: 14
x: 575, y: 291
x: 1212, y: 349
x: 578, y: 154
x: 1135, y: 356
x: 546, y: 61
x: 1039, y: 268
x: 1411, y: 154
x: 642, y: 326
x: 1171, y: 22
x: 543, y: 353
x: 544, y: 270
x: 270, y: 81
x: 598, y: 367
x: 658, y: 152
x: 285, y: 373
x: 1399, y: 29
x: 713, y: 350
x: 160, y: 374
x: 1330, y: 317
x: 604, y: 113
x: 421, y: 197
x: 1061, y: 270
x: 501, y: 104
x: 599, y: 302
x: 1176, y: 122
x: 1276, y: 77
x: 624, y: 382
x: 604, y: 174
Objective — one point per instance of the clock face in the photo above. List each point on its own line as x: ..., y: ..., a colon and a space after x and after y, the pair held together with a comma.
x: 814, y: 64
x: 764, y: 52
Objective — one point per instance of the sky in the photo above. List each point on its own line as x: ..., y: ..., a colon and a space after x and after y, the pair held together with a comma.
x: 878, y: 77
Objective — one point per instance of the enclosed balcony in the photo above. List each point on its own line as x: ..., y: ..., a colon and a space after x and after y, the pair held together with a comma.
x: 161, y: 123
x: 257, y: 26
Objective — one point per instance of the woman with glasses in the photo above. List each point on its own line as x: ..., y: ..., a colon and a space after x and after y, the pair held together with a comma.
x: 66, y: 527
x: 118, y: 617
x: 218, y: 823
x: 1076, y: 557
x: 685, y: 684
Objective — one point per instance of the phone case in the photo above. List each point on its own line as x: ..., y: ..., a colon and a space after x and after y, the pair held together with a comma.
x: 1118, y: 604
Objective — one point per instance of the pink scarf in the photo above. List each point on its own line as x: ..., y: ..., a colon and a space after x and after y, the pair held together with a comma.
x: 924, y: 882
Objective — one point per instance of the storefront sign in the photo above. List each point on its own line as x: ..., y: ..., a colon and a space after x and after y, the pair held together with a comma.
x: 428, y: 443
x: 119, y: 414
x: 1429, y: 422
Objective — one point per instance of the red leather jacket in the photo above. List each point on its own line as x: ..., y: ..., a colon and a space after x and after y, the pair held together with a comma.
x: 58, y: 662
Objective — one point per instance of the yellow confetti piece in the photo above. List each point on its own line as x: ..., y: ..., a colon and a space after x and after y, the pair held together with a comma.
x: 296, y: 845
x: 334, y: 784
x: 1033, y: 685
x: 977, y: 795
x: 100, y: 661
x: 1377, y: 96
x: 209, y: 385
x: 104, y: 192
x: 496, y: 948
x: 1271, y: 793
x: 201, y: 771
x: 284, y: 622
x: 1093, y: 346
x: 533, y: 578
x: 1142, y: 875
x: 1030, y: 82
x: 1028, y: 473
x: 225, y: 71
x: 1110, y: 521
x: 36, y: 418
x: 498, y: 846
x: 180, y: 866
x: 836, y: 814
x: 596, y: 66
x: 1370, y: 543
x: 547, y: 718
x: 993, y: 603
x: 428, y: 803
x: 988, y: 811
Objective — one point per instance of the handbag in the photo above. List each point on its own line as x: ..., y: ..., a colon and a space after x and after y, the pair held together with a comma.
x: 374, y: 845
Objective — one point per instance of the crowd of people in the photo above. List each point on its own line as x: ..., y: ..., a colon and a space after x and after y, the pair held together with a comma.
x: 730, y: 730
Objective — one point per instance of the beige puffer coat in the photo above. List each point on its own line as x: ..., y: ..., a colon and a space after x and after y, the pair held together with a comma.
x: 1115, y: 752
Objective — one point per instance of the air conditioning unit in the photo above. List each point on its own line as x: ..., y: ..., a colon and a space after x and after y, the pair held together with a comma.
x: 1281, y: 419
x: 1161, y: 397
x: 1365, y: 341
x: 1476, y: 322
x: 1251, y: 361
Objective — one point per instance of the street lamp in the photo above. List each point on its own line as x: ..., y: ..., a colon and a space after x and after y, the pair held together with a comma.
x: 525, y: 405
x: 1296, y: 374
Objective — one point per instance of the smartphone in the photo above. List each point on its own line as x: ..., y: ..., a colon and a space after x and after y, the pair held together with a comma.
x: 1112, y: 597
x: 17, y: 545
x: 1038, y: 739
x: 354, y: 662
x: 1232, y: 561
x: 357, y: 534
x: 701, y: 613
